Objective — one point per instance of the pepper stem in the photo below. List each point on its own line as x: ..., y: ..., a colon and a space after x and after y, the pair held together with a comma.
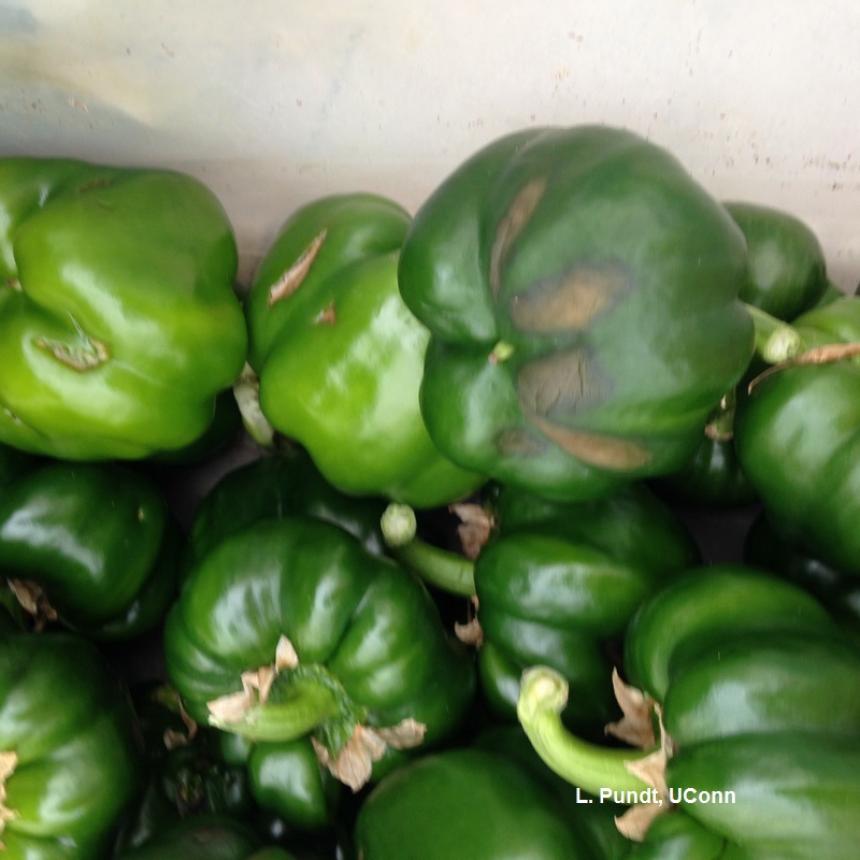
x: 246, y: 390
x: 775, y: 340
x: 305, y: 704
x: 438, y: 567
x: 543, y: 696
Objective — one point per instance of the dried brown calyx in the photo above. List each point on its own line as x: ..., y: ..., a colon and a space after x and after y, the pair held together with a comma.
x: 636, y: 727
x: 8, y: 763
x: 33, y: 600
x: 829, y: 353
x: 310, y: 702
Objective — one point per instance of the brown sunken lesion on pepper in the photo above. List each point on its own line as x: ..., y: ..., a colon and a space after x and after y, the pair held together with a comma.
x: 564, y: 381
x: 515, y: 219
x: 571, y: 301
x: 519, y: 442
x: 95, y: 183
x: 293, y: 278
x: 595, y: 449
x: 88, y: 354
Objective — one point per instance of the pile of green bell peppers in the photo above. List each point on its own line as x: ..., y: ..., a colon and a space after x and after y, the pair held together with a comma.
x: 424, y: 606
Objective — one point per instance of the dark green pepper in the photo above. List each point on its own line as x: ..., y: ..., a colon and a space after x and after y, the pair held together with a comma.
x: 555, y: 585
x: 186, y: 775
x: 285, y: 777
x: 759, y: 724
x: 285, y: 484
x: 339, y: 356
x: 118, y: 321
x: 290, y: 630
x: 93, y: 544
x: 839, y: 592
x: 786, y: 272
x: 206, y: 838
x: 582, y: 294
x: 798, y: 442
x: 465, y: 805
x: 786, y: 276
x: 68, y: 766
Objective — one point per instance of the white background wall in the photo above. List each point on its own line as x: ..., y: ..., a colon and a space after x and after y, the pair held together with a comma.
x: 273, y: 102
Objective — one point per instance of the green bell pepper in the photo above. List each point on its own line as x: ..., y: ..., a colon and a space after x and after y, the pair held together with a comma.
x: 186, y: 775
x: 13, y: 464
x: 555, y: 585
x: 339, y: 356
x: 68, y: 765
x: 786, y: 276
x: 118, y: 321
x: 465, y: 805
x: 224, y: 429
x: 206, y: 838
x: 283, y: 485
x: 582, y: 295
x: 797, y: 438
x: 759, y: 742
x: 839, y: 592
x: 285, y: 777
x: 786, y: 271
x: 92, y: 544
x: 290, y: 630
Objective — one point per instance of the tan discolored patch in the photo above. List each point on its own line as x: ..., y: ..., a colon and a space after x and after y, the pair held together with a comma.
x: 13, y: 284
x: 87, y: 355
x: 93, y: 184
x: 293, y: 278
x: 518, y: 442
x: 327, y: 316
x: 604, y: 452
x: 515, y: 219
x: 570, y: 302
x: 561, y: 381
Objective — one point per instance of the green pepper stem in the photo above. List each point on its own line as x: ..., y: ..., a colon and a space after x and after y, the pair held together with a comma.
x: 307, y: 704
x: 246, y: 391
x: 775, y: 341
x: 543, y: 696
x: 438, y: 567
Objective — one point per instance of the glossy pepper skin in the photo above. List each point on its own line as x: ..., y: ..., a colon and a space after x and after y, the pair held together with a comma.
x: 353, y: 647
x: 118, y: 321
x: 185, y: 774
x: 97, y: 541
x: 560, y: 582
x: 465, y: 805
x: 284, y: 777
x: 69, y: 766
x: 839, y: 592
x: 759, y: 693
x: 582, y: 295
x: 206, y: 838
x: 786, y: 275
x: 797, y: 440
x: 786, y: 271
x: 340, y: 357
x: 282, y: 485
